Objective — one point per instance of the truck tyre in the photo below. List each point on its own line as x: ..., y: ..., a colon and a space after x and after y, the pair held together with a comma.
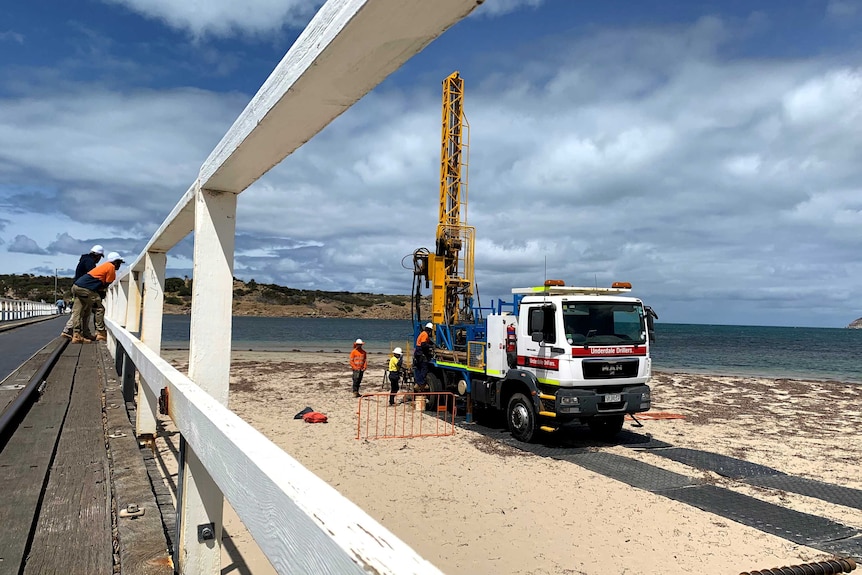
x: 521, y: 418
x: 606, y: 427
x: 434, y: 385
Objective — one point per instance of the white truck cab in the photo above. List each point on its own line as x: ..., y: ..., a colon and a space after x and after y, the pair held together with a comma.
x: 569, y: 353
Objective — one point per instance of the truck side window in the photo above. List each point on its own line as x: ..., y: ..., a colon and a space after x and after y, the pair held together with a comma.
x: 535, y: 321
x: 543, y: 319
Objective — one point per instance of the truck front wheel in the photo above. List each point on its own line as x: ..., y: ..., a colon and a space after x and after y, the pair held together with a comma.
x: 606, y: 427
x: 521, y: 418
x: 435, y: 386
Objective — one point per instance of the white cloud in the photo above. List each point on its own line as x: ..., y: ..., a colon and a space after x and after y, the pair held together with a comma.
x: 840, y: 9
x: 91, y: 148
x: 11, y: 36
x: 834, y: 97
x: 225, y: 17
x: 491, y: 8
x: 25, y: 245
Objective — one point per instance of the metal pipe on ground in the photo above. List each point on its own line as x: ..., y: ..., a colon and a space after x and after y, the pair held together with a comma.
x: 16, y: 410
x: 829, y: 567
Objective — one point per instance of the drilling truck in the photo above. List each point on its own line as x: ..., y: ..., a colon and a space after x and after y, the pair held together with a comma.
x: 554, y: 354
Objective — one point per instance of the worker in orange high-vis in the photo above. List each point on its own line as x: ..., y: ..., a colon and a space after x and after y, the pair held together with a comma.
x: 358, y: 363
x: 422, y: 354
x: 86, y: 291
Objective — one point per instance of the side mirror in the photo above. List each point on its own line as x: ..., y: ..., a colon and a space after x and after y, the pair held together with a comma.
x: 650, y: 322
x: 537, y: 336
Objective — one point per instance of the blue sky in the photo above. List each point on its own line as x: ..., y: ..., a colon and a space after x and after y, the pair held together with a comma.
x: 707, y: 152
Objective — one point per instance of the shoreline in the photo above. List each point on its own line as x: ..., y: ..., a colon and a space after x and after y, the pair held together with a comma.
x: 372, y: 350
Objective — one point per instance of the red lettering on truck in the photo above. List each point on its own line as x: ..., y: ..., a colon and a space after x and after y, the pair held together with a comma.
x: 539, y: 362
x: 609, y: 350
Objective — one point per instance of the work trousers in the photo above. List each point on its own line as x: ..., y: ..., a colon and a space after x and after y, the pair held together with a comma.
x: 83, y: 308
x: 394, y: 378
x: 98, y: 313
x: 357, y: 379
x: 420, y: 368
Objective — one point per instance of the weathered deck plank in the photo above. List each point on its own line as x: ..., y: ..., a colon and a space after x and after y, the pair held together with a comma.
x: 73, y: 531
x: 26, y: 458
x: 143, y: 548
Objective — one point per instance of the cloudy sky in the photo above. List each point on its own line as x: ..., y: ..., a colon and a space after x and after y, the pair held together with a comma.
x: 708, y: 152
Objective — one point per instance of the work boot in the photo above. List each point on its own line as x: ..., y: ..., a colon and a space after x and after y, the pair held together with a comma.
x: 78, y: 338
x: 355, y: 394
x: 67, y: 334
x: 102, y: 336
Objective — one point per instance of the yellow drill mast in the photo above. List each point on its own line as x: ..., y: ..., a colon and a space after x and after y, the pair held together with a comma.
x: 450, y: 268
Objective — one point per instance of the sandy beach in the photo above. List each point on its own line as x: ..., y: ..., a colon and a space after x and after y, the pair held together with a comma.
x: 474, y: 506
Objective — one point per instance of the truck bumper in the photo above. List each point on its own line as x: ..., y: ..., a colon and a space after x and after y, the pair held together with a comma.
x: 573, y: 403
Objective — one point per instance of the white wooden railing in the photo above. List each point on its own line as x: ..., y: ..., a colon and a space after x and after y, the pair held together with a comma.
x: 301, y: 523
x: 12, y: 309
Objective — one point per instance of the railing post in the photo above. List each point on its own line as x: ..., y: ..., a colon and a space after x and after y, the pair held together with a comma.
x: 108, y: 302
x: 151, y: 334
x: 133, y: 324
x: 133, y: 309
x: 201, y: 499
x: 122, y: 300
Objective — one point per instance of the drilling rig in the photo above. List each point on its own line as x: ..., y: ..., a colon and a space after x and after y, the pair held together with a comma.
x: 553, y: 355
x: 449, y: 269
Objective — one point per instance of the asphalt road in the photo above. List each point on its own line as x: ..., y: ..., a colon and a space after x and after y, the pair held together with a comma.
x: 19, y: 344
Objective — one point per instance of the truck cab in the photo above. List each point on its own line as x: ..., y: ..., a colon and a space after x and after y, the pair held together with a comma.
x: 580, y: 354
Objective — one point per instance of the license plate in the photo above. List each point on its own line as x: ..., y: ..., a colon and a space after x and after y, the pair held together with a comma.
x: 613, y: 397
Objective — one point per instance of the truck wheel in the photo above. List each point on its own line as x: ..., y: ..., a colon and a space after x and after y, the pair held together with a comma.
x: 521, y: 417
x: 606, y: 427
x: 434, y: 385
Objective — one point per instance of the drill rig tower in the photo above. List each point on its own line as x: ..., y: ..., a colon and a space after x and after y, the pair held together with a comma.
x: 449, y: 270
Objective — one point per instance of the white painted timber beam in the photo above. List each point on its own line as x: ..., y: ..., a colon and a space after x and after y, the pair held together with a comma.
x: 179, y: 223
x: 153, y: 301
x: 200, y: 500
x: 301, y: 523
x: 133, y: 311
x: 348, y: 48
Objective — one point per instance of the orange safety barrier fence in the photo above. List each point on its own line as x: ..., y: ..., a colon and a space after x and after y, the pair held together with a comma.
x: 420, y: 414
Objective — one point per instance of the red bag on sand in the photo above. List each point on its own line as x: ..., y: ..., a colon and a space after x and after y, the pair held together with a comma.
x: 314, y: 417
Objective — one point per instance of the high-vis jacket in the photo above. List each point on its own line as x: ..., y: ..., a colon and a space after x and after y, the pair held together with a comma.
x: 98, y: 278
x: 358, y: 359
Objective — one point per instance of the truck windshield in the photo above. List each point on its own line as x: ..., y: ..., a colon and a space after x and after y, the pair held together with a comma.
x: 604, y: 323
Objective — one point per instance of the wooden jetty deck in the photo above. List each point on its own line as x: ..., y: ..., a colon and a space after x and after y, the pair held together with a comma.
x: 75, y: 496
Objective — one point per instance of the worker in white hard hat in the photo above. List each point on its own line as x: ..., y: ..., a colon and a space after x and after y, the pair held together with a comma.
x: 422, y: 354
x: 87, y: 262
x: 358, y: 363
x: 396, y: 363
x: 89, y: 289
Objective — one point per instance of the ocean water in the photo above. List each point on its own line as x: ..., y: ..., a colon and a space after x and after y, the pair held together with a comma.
x: 798, y: 353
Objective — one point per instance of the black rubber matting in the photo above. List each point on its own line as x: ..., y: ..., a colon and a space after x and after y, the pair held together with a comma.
x: 837, y: 494
x: 795, y: 526
x: 631, y: 471
x: 721, y: 464
x: 802, y: 528
x: 844, y: 548
x: 569, y: 437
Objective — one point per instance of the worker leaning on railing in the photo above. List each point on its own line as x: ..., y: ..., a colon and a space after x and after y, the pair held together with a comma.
x: 86, y: 291
x: 86, y: 263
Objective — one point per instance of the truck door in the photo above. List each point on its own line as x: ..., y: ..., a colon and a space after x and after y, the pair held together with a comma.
x: 539, y: 355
